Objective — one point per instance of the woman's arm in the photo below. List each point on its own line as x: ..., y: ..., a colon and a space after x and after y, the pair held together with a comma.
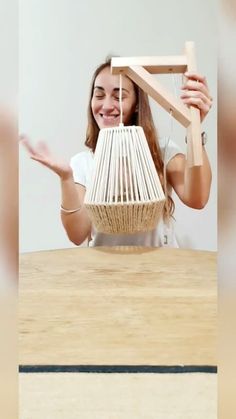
x: 192, y: 185
x: 77, y: 224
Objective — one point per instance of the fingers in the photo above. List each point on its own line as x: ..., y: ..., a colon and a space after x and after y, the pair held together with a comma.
x: 197, y: 82
x: 196, y: 86
x: 197, y: 98
x: 196, y: 77
x: 195, y: 93
x: 24, y: 140
x: 197, y: 102
x: 41, y: 150
x: 39, y: 153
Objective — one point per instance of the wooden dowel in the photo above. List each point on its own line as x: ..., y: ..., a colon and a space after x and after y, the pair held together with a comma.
x: 194, y: 142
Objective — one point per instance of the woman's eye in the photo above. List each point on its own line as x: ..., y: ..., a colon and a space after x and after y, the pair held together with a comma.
x: 118, y: 98
x: 99, y: 96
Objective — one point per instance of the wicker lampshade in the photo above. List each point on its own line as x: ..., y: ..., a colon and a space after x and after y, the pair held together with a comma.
x: 125, y: 194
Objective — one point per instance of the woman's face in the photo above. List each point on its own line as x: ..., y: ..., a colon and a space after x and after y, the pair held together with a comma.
x: 105, y: 100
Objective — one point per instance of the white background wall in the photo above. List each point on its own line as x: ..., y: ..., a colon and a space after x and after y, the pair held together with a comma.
x: 61, y: 43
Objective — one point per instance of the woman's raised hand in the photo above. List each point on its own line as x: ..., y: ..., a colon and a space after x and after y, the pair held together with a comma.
x: 196, y: 93
x: 42, y: 154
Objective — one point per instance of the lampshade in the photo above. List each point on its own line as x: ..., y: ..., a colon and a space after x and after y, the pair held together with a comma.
x: 125, y: 194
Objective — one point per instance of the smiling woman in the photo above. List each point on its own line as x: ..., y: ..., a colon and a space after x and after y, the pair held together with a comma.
x: 192, y: 185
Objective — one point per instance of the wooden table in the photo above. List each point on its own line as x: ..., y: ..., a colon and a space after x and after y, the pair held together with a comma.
x: 118, y: 306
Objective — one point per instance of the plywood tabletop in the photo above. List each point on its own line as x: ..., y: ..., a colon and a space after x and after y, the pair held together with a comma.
x: 118, y: 306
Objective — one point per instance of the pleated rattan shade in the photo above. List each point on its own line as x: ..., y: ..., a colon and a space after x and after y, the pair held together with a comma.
x: 125, y: 194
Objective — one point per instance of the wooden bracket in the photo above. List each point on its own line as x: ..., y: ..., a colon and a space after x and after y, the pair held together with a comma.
x: 140, y: 70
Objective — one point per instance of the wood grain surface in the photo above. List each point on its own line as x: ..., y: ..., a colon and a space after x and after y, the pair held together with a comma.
x: 118, y: 306
x: 118, y: 396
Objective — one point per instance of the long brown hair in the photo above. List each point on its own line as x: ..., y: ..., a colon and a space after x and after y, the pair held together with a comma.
x: 142, y: 117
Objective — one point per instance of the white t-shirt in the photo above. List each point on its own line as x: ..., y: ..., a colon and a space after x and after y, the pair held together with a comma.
x: 163, y: 235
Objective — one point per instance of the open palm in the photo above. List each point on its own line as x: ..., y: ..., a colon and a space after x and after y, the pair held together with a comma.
x: 42, y: 154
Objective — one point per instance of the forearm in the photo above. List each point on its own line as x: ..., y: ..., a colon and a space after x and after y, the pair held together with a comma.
x: 70, y: 198
x: 197, y: 183
x: 77, y: 224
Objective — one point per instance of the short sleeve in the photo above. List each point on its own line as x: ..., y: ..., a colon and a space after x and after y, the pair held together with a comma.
x: 81, y: 165
x: 169, y: 149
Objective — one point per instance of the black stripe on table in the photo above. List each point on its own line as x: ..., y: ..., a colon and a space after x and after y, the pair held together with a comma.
x: 121, y: 369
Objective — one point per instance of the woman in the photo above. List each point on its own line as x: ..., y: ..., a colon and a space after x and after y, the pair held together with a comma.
x: 192, y: 185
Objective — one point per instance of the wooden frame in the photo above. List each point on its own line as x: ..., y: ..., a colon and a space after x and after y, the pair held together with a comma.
x: 140, y: 70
